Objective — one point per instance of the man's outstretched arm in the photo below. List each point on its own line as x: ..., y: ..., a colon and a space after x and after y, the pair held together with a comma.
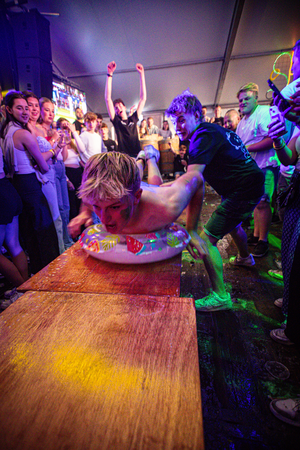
x: 197, y: 247
x: 111, y: 67
x: 143, y: 91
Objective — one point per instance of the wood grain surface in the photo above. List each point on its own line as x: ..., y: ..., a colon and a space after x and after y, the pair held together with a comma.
x: 76, y: 271
x: 92, y: 371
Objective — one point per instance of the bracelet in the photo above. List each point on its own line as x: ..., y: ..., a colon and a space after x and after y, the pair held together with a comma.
x: 281, y: 146
x: 52, y: 151
x: 109, y: 75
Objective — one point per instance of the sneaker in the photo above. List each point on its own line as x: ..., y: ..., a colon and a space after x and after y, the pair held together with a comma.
x: 261, y: 249
x: 287, y: 410
x: 151, y: 152
x: 252, y: 240
x: 278, y: 302
x: 278, y: 263
x: 239, y: 261
x: 213, y: 302
x: 278, y: 335
x: 276, y: 273
x: 142, y: 156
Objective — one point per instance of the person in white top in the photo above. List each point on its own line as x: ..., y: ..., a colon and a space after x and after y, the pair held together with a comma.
x: 93, y: 142
x: 253, y: 130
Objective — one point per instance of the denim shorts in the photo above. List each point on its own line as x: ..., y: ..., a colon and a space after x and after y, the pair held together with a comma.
x: 228, y: 215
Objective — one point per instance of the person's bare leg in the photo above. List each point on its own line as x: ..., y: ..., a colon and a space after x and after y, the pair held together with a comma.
x: 154, y: 175
x: 263, y: 219
x: 11, y: 242
x: 214, y: 265
x: 240, y: 239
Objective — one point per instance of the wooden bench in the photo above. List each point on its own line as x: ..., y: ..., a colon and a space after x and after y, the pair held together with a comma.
x: 99, y: 371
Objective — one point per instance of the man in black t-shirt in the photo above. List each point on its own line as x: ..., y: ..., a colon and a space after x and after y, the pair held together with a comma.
x: 79, y: 123
x: 223, y: 160
x: 110, y: 144
x: 125, y: 126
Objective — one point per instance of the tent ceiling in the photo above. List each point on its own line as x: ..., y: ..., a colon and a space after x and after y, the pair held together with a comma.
x: 211, y: 46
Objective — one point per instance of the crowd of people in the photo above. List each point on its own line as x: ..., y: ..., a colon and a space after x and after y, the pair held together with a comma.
x: 54, y: 178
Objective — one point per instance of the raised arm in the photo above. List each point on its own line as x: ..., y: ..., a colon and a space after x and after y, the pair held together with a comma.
x: 111, y: 67
x: 143, y: 92
x: 78, y: 141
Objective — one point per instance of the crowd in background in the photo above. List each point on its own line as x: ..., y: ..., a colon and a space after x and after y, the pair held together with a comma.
x: 43, y: 162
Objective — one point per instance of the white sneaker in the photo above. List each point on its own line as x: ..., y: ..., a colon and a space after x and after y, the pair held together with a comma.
x: 151, y: 152
x: 239, y: 261
x: 278, y: 302
x: 287, y: 410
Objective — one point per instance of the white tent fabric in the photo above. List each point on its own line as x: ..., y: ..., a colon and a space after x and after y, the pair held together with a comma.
x: 211, y: 47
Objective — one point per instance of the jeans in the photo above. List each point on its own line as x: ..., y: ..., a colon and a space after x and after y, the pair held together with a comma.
x: 63, y: 200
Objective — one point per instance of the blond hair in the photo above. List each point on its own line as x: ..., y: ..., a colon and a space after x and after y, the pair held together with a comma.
x: 108, y: 176
x: 248, y: 87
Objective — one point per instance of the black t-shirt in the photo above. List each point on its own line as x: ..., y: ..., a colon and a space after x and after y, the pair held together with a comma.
x: 127, y: 134
x: 230, y: 170
x: 178, y: 167
x: 219, y: 121
x: 78, y: 126
x: 111, y: 145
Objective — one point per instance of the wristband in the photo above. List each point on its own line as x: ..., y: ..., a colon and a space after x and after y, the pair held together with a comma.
x: 281, y: 146
x: 52, y: 151
x: 109, y: 75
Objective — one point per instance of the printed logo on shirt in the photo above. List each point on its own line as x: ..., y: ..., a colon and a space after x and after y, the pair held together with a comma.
x: 237, y: 143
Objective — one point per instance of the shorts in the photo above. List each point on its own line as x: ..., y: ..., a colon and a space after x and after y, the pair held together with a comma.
x: 271, y: 179
x: 10, y: 202
x: 228, y: 215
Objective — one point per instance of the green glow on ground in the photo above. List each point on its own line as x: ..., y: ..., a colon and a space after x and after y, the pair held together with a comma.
x: 275, y: 241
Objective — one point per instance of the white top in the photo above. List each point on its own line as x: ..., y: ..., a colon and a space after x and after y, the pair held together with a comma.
x: 72, y: 157
x: 290, y: 89
x: 18, y: 161
x: 254, y: 129
x: 165, y: 133
x: 93, y: 144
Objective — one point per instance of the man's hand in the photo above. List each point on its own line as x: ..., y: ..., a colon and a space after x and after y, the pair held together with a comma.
x: 184, y: 163
x: 111, y: 67
x: 75, y: 225
x: 197, y: 246
x: 139, y: 68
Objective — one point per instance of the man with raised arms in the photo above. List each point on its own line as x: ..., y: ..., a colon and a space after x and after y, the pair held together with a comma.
x: 125, y: 126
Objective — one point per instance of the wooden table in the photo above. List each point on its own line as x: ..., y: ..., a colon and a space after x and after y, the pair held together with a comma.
x: 76, y: 271
x: 99, y: 371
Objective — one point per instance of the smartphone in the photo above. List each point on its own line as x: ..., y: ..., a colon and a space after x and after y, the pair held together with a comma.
x: 275, y: 113
x: 275, y: 89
